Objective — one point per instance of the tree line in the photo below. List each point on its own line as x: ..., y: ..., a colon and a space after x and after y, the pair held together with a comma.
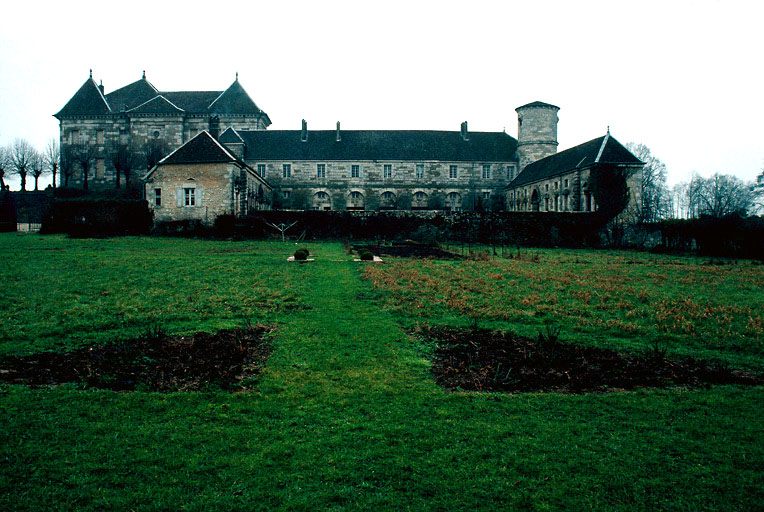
x: 716, y: 196
x: 23, y: 160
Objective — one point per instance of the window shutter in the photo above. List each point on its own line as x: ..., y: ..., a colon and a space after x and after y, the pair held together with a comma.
x: 179, y: 197
x: 198, y: 196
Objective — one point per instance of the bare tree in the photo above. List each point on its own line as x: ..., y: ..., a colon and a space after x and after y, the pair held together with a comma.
x: 53, y: 158
x: 758, y: 195
x: 37, y: 167
x: 5, y: 164
x: 724, y: 194
x: 124, y: 159
x: 655, y: 193
x: 22, y: 154
x: 84, y: 156
x: 67, y: 165
x: 155, y: 150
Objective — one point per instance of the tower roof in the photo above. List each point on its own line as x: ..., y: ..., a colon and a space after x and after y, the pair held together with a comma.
x: 132, y: 95
x: 87, y: 101
x: 234, y: 100
x: 538, y: 104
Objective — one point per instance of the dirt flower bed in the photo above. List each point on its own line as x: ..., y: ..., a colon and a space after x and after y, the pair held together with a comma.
x: 408, y: 250
x: 229, y: 359
x: 483, y: 360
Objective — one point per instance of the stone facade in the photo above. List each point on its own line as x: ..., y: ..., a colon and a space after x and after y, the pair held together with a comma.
x: 96, y: 128
x: 536, y: 132
x: 387, y: 185
x: 203, y: 191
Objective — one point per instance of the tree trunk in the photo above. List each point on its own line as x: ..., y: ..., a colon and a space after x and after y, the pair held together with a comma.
x: 53, y: 173
x: 35, y: 183
x: 84, y: 177
x: 23, y: 181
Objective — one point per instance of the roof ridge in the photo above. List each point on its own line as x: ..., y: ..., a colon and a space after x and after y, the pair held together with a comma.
x: 602, y: 147
x: 158, y: 96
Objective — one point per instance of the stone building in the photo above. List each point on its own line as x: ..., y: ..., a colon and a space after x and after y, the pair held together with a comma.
x: 127, y: 131
x: 327, y: 169
x: 202, y: 180
x: 560, y: 182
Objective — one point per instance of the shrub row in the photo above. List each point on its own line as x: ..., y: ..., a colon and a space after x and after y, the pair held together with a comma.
x: 98, y: 217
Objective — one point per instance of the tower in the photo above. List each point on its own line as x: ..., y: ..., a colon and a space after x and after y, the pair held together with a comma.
x: 536, y: 132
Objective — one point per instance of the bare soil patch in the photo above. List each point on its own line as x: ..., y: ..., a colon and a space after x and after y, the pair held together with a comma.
x: 229, y: 360
x: 483, y: 360
x: 408, y: 250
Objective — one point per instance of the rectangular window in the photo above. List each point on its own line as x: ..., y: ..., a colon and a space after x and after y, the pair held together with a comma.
x: 261, y: 170
x: 321, y: 170
x: 99, y: 136
x: 486, y: 196
x: 355, y: 171
x: 74, y: 137
x: 510, y: 172
x: 486, y: 171
x: 287, y: 170
x: 158, y: 197
x: 566, y: 183
x: 419, y: 171
x: 287, y: 193
x: 388, y: 171
x: 452, y: 172
x: 189, y: 197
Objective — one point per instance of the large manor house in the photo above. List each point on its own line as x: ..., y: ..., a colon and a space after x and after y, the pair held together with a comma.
x: 201, y: 154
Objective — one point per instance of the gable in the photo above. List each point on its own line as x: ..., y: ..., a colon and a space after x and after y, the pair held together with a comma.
x: 87, y: 101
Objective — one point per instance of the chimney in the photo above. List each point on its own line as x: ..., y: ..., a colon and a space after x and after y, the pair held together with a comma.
x: 304, y: 135
x: 215, y: 127
x: 465, y: 135
x: 100, y: 86
x: 338, y: 132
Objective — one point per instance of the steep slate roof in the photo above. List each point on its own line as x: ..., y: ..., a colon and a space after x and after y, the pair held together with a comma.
x: 201, y: 149
x: 132, y: 95
x: 157, y: 105
x: 234, y: 100
x: 378, y: 145
x: 193, y: 102
x: 87, y: 101
x: 603, y: 149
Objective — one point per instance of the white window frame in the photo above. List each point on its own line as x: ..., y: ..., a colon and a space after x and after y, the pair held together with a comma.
x: 321, y: 170
x: 286, y: 170
x: 453, y: 172
x: 486, y: 171
x: 189, y: 196
x: 261, y: 170
x: 355, y: 171
x: 157, y: 197
x: 387, y: 171
x: 419, y: 171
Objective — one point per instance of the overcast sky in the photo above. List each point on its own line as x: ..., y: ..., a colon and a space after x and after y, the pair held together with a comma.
x: 682, y: 77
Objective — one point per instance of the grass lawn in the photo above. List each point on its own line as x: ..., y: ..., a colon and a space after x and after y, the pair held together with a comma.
x: 346, y: 415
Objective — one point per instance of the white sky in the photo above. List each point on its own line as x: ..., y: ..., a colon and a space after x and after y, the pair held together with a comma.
x: 682, y: 77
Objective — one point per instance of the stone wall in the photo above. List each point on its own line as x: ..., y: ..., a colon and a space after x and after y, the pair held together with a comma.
x: 338, y: 189
x: 107, y: 133
x: 213, y: 191
x: 536, y: 133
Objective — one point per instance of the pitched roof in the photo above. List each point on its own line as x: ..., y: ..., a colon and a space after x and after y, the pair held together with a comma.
x: 157, y: 105
x: 230, y: 136
x: 193, y: 102
x: 201, y: 149
x: 88, y: 100
x: 603, y: 149
x: 234, y: 100
x: 379, y: 145
x: 132, y: 95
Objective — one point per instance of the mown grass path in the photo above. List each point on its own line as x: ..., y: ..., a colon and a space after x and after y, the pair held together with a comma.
x: 346, y: 417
